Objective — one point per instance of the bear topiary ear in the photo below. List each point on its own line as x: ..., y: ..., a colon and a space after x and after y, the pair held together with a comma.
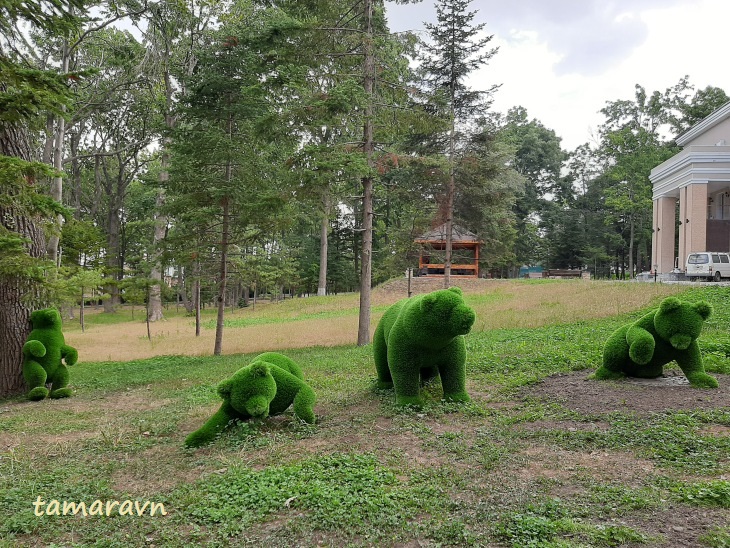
x: 704, y: 309
x: 669, y: 304
x: 224, y: 388
x: 456, y: 290
x: 259, y: 369
x: 428, y: 302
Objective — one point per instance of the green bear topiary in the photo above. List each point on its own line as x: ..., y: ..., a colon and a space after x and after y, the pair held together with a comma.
x: 267, y: 386
x: 44, y: 354
x: 642, y: 348
x: 419, y: 338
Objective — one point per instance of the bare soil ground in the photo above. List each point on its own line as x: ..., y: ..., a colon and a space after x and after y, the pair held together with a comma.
x: 670, y: 392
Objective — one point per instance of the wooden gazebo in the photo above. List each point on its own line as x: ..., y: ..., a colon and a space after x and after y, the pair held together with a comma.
x: 464, y: 252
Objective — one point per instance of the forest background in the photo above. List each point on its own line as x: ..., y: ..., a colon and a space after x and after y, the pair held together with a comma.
x: 210, y: 152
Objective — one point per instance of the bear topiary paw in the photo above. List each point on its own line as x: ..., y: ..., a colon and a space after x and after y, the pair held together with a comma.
x: 702, y: 380
x: 606, y: 374
x: 384, y: 385
x: 61, y: 393
x: 409, y: 401
x: 38, y: 393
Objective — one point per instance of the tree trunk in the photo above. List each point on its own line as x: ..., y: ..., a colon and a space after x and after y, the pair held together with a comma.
x: 19, y: 295
x: 154, y: 304
x: 223, y: 277
x: 57, y: 182
x: 363, y: 332
x: 323, y: 234
x: 450, y: 190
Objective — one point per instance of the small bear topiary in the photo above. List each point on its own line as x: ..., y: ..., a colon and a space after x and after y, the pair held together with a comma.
x: 44, y: 354
x: 267, y: 386
x: 420, y: 338
x: 642, y: 348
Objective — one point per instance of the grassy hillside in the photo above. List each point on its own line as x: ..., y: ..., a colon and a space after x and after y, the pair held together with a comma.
x: 540, y: 457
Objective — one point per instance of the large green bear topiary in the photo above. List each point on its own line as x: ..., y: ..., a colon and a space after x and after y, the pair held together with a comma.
x: 44, y: 354
x: 419, y: 338
x: 267, y: 386
x: 642, y: 348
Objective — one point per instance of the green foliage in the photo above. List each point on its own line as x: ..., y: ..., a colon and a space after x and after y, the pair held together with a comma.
x: 712, y: 493
x: 552, y: 524
x: 351, y: 493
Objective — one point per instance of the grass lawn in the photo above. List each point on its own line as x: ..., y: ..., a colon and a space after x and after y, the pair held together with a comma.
x: 540, y: 457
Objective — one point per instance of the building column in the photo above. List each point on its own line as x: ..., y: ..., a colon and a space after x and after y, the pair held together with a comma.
x: 695, y: 219
x: 662, y: 243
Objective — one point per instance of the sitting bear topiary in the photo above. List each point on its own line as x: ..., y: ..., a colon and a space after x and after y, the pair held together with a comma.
x: 44, y: 354
x: 642, y: 348
x: 419, y: 338
x: 267, y: 386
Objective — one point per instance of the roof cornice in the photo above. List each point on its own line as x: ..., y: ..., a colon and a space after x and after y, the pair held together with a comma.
x: 700, y: 127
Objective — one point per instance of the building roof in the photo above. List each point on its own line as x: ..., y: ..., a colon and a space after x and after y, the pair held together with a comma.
x: 458, y: 235
x: 703, y: 125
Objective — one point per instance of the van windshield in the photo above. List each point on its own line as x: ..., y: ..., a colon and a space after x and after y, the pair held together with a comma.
x: 698, y: 258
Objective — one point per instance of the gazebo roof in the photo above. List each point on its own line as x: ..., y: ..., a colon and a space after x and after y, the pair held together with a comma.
x: 458, y: 235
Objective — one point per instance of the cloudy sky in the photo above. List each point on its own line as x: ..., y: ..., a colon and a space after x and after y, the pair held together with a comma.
x: 563, y: 59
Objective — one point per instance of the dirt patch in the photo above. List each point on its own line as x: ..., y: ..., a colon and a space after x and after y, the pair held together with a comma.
x: 672, y: 392
x: 680, y: 525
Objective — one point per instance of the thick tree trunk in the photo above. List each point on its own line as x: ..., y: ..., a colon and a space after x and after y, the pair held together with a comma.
x: 363, y: 332
x: 19, y: 295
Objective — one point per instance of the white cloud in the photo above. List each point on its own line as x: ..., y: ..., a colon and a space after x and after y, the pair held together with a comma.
x: 563, y: 59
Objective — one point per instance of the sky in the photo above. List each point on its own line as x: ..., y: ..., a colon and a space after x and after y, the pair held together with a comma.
x: 564, y: 59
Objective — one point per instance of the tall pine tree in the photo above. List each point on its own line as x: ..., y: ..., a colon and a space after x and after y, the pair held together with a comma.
x: 453, y: 52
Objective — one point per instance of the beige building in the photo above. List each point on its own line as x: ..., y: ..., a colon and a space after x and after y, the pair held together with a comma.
x: 691, y: 193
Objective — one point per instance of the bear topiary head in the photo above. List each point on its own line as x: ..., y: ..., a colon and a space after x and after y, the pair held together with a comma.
x: 680, y: 322
x: 250, y: 390
x: 445, y: 312
x: 48, y: 317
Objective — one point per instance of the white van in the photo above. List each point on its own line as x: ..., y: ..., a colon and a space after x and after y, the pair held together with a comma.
x: 708, y: 264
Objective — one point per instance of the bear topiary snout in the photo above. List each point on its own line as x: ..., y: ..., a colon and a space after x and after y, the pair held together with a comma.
x: 681, y: 341
x: 258, y: 407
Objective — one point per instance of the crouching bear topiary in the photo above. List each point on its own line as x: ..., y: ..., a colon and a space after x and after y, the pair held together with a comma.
x: 419, y: 338
x: 44, y: 354
x: 642, y: 348
x: 267, y: 386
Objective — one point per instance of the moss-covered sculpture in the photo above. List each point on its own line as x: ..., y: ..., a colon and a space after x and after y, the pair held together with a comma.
x: 44, y: 354
x: 420, y: 338
x: 642, y: 348
x: 267, y: 386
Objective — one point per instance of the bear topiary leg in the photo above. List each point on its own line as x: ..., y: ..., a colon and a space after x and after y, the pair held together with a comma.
x: 405, y: 371
x: 214, y: 426
x: 615, y: 355
x: 380, y: 355
x: 35, y: 377
x: 304, y: 404
x: 691, y: 364
x: 60, y: 380
x: 452, y: 368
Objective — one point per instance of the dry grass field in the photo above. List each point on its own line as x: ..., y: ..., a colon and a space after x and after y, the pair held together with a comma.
x: 332, y: 321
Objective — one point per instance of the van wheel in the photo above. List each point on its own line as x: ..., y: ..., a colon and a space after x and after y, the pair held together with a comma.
x: 718, y: 277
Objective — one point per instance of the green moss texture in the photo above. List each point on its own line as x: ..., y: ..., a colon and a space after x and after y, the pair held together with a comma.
x: 46, y: 355
x: 269, y: 385
x: 644, y: 347
x: 421, y: 338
